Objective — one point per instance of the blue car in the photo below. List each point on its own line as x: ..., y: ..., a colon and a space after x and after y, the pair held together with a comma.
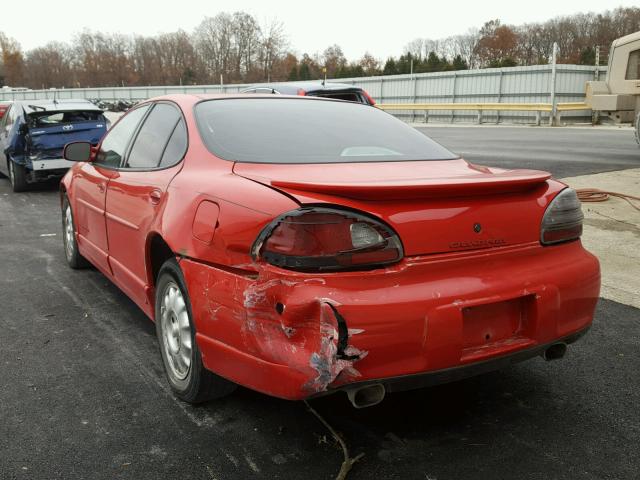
x: 34, y: 133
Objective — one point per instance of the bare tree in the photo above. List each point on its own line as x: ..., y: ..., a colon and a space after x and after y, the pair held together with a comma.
x: 273, y: 45
x: 246, y: 44
x: 12, y: 61
x: 50, y: 66
x: 213, y: 39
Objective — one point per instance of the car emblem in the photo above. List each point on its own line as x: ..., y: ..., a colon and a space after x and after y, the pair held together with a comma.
x: 477, y: 227
x: 67, y: 127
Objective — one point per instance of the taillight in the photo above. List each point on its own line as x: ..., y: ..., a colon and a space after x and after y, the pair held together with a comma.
x: 369, y: 98
x: 324, y: 239
x: 562, y: 220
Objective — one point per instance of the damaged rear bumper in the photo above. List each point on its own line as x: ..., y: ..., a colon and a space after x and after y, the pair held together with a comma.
x: 51, y: 164
x: 453, y: 374
x: 425, y: 321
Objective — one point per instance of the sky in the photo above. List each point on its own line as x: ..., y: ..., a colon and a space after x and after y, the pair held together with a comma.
x: 382, y: 28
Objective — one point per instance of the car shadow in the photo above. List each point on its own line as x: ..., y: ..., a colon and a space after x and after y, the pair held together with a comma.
x: 527, y: 413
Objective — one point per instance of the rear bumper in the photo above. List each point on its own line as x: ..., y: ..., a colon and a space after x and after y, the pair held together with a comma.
x: 51, y: 164
x: 425, y: 321
x: 447, y: 375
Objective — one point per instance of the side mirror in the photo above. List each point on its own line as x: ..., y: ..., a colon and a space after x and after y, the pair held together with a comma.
x: 77, y: 152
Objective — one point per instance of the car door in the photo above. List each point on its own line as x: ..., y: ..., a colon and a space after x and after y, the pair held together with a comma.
x: 90, y: 187
x: 135, y: 196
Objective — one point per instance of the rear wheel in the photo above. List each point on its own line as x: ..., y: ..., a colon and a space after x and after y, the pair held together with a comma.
x: 74, y: 259
x: 187, y: 376
x: 17, y: 176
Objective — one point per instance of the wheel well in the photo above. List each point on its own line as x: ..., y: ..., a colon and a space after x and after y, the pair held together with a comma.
x: 159, y: 252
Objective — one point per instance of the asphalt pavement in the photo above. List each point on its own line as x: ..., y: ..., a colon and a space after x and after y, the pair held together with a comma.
x: 83, y: 393
x: 565, y: 151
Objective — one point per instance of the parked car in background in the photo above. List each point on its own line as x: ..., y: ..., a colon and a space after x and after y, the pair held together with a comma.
x: 33, y: 134
x: 336, y: 91
x: 4, y: 106
x: 302, y: 246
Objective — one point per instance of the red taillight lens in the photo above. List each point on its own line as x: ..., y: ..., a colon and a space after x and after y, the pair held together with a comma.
x: 562, y: 220
x: 321, y: 239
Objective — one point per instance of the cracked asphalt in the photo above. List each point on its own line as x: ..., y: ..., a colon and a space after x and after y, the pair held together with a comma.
x: 83, y: 394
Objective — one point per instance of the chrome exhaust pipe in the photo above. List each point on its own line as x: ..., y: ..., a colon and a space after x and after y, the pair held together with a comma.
x: 555, y: 351
x: 367, y: 396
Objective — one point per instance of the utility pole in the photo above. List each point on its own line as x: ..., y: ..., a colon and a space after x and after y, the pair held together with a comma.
x: 595, y: 119
x: 554, y: 104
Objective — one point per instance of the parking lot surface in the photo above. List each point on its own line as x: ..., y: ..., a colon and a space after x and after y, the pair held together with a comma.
x: 565, y: 152
x: 83, y: 394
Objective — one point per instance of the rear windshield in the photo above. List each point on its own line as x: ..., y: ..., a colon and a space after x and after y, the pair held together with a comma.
x: 291, y: 130
x: 48, y: 119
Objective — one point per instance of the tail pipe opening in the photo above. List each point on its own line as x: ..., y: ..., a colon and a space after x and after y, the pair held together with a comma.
x: 555, y: 351
x: 367, y: 396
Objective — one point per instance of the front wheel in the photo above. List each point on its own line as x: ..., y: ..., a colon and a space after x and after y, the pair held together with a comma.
x: 17, y: 176
x: 187, y: 376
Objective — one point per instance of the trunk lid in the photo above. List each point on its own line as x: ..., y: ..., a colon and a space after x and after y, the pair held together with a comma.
x: 50, y: 140
x: 434, y: 206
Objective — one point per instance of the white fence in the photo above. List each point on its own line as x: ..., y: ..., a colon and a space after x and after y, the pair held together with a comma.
x: 493, y: 85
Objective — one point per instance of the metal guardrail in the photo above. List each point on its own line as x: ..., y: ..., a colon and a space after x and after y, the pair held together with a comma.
x: 495, y: 107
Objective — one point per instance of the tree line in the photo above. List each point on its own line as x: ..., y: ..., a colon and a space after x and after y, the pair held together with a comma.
x: 235, y: 48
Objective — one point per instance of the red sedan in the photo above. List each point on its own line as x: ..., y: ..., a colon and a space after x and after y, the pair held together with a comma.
x: 301, y: 246
x: 4, y: 106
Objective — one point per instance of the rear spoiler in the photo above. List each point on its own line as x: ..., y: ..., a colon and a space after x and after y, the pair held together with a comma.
x: 463, y: 186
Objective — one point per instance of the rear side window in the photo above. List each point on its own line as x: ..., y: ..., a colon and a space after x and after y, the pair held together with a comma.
x: 176, y: 147
x: 633, y: 66
x: 154, y: 136
x: 298, y: 130
x: 115, y: 143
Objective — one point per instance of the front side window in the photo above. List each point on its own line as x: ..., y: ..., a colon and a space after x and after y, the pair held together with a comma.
x: 153, y: 137
x: 633, y: 66
x: 299, y: 130
x: 115, y: 143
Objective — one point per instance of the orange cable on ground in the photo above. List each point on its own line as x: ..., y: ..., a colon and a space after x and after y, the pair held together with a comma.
x: 596, y: 195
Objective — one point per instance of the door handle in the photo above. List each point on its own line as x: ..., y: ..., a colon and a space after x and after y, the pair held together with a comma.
x: 155, y: 196
x: 100, y: 187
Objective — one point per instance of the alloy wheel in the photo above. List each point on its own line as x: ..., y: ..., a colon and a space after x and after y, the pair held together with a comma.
x: 176, y: 331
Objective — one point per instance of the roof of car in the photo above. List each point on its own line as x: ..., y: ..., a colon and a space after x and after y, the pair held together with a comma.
x: 31, y: 106
x: 311, y: 86
x: 187, y: 100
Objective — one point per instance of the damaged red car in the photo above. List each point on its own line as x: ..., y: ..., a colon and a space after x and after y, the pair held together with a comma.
x: 303, y: 246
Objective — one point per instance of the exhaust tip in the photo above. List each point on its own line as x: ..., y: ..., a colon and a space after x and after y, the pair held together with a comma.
x: 368, y: 396
x: 555, y: 351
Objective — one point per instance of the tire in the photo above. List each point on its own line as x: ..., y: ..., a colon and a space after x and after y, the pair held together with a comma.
x: 186, y: 374
x: 70, y: 243
x: 17, y: 176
